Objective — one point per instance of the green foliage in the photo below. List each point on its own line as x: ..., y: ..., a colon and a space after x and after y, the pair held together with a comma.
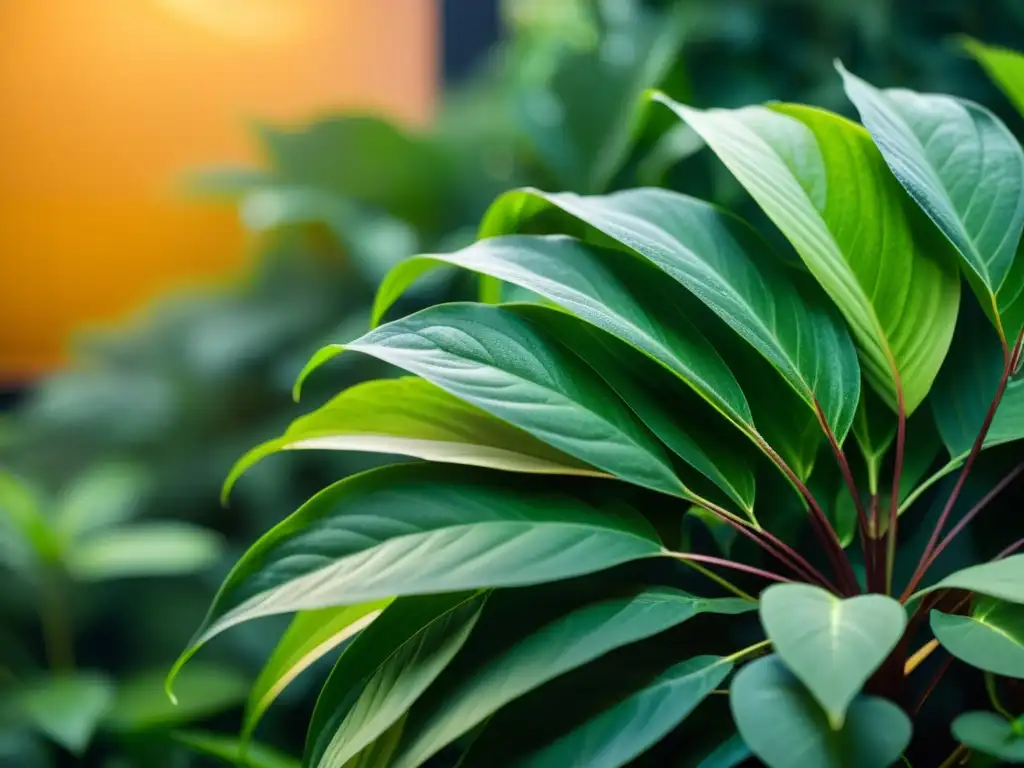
x: 672, y: 361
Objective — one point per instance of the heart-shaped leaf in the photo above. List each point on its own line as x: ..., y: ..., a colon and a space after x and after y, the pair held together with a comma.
x: 1000, y: 578
x: 785, y: 727
x: 412, y: 417
x: 966, y: 171
x: 397, y: 530
x: 501, y: 362
x: 625, y: 730
x: 991, y: 638
x: 832, y: 645
x: 825, y: 185
x: 990, y: 734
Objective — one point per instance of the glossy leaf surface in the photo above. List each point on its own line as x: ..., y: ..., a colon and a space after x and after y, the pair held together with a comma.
x: 990, y: 638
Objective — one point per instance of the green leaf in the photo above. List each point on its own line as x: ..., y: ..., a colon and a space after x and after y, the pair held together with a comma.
x: 68, y: 709
x: 500, y: 362
x: 233, y: 750
x: 785, y: 727
x: 155, y: 548
x: 23, y: 522
x: 104, y: 496
x: 825, y: 185
x: 397, y: 530
x: 607, y: 288
x: 724, y: 263
x: 966, y: 171
x: 401, y: 623
x: 991, y: 734
x: 999, y: 578
x: 874, y: 430
x: 413, y: 417
x: 459, y: 702
x: 397, y: 683
x: 730, y: 753
x: 830, y: 644
x: 991, y: 638
x: 625, y: 730
x: 310, y: 636
x: 1004, y: 66
x: 202, y: 690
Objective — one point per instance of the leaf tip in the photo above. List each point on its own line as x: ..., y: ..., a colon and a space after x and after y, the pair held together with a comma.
x: 318, y: 359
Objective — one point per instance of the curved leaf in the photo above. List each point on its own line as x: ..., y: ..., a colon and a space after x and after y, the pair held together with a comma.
x: 999, y: 578
x: 991, y: 638
x: 412, y: 417
x: 398, y: 531
x: 607, y: 288
x: 458, y: 703
x: 502, y: 363
x: 235, y: 751
x: 826, y: 186
x: 831, y: 645
x: 310, y: 636
x: 721, y: 261
x: 400, y: 681
x: 990, y: 734
x: 625, y: 730
x: 966, y: 171
x: 785, y: 727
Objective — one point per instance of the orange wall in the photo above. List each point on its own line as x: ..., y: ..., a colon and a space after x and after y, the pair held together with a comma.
x: 104, y: 103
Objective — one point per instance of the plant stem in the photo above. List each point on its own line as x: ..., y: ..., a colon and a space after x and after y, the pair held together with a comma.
x: 933, y: 684
x: 57, y: 634
x: 993, y: 697
x: 919, y: 656
x: 929, y: 482
x: 845, y: 576
x: 1008, y: 366
x: 1010, y: 549
x: 722, y: 582
x: 894, y: 502
x: 955, y: 757
x: 748, y: 651
x: 722, y: 562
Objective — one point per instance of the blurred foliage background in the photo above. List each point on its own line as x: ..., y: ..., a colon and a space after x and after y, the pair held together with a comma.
x: 112, y: 538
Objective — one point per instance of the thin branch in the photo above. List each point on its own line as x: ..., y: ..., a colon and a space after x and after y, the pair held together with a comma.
x: 723, y: 563
x: 723, y: 583
x: 1008, y: 366
x: 1010, y: 549
x: 894, y: 502
x: 933, y: 684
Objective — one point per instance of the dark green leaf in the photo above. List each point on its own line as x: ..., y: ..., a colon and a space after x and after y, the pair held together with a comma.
x: 1000, y: 578
x: 990, y: 734
x: 68, y: 709
x: 784, y: 726
x: 990, y: 638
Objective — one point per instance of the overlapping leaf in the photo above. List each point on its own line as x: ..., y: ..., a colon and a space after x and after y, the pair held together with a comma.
x: 1004, y: 66
x: 826, y: 186
x: 1003, y: 579
x: 991, y: 637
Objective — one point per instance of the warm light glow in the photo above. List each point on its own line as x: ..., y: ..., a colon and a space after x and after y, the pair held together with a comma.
x: 251, y: 19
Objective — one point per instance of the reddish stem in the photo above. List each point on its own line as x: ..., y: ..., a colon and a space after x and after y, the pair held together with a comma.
x: 1010, y: 549
x: 721, y: 561
x: 933, y: 684
x: 894, y: 502
x: 1008, y: 366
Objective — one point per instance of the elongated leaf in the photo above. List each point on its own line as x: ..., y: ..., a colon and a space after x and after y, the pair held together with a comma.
x: 456, y: 704
x: 730, y: 753
x: 728, y: 267
x: 68, y: 709
x: 1000, y: 578
x: 607, y: 288
x: 966, y: 171
x: 825, y: 185
x: 785, y: 727
x: 502, y: 363
x: 156, y: 548
x: 104, y: 496
x: 990, y: 734
x: 620, y: 733
x: 399, y: 530
x: 991, y: 638
x: 831, y: 645
x: 1004, y: 66
x: 396, y: 685
x: 310, y: 636
x: 234, y: 751
x: 413, y: 417
x: 401, y: 623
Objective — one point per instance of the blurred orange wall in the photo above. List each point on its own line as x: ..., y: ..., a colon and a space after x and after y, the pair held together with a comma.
x: 103, y: 105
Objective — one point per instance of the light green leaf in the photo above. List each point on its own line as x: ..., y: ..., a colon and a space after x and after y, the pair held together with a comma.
x: 144, y: 549
x: 396, y: 685
x: 233, y: 750
x: 202, y: 690
x: 990, y: 734
x: 27, y: 535
x: 628, y: 728
x: 826, y: 186
x: 397, y: 530
x: 413, y: 417
x: 999, y: 578
x: 785, y: 727
x: 459, y: 702
x: 874, y: 429
x: 991, y: 638
x: 104, y: 496
x: 68, y: 709
x: 1004, y: 66
x: 310, y: 636
x: 722, y: 262
x: 830, y: 644
x: 966, y: 171
x: 500, y: 362
x: 607, y: 288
